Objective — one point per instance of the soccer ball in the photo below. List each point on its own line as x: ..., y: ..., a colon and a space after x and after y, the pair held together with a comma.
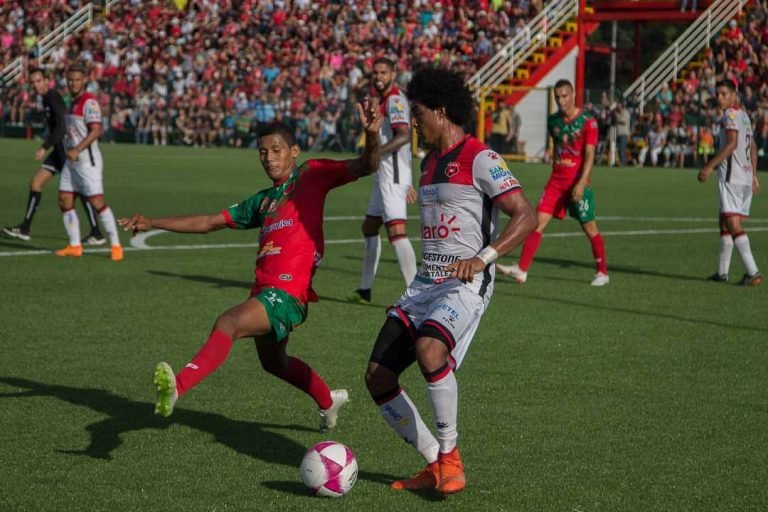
x: 329, y: 469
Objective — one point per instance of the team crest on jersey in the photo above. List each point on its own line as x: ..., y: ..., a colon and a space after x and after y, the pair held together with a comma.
x: 452, y: 169
x: 272, y: 206
x: 492, y: 155
x: 269, y: 249
x: 263, y: 204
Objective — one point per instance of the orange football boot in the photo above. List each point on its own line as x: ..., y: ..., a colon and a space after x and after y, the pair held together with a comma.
x: 117, y: 253
x: 71, y: 250
x: 424, y: 479
x: 451, y: 477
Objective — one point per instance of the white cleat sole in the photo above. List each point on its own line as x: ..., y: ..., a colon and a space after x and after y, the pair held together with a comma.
x: 330, y: 416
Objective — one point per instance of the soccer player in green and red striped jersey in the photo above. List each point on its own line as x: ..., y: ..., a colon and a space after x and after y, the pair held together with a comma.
x: 574, y: 136
x: 290, y: 215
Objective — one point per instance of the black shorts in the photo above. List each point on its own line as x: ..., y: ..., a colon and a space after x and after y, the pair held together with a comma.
x: 55, y: 160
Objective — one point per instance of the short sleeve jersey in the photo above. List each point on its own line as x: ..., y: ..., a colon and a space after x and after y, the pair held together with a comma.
x: 290, y: 216
x: 83, y: 111
x: 395, y: 167
x: 570, y: 139
x: 737, y: 168
x: 458, y: 216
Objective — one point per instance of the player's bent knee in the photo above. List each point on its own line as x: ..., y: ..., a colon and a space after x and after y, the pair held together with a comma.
x: 379, y: 380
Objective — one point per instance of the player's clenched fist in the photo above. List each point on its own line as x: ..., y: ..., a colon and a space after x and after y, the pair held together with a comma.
x: 465, y: 270
x: 135, y: 223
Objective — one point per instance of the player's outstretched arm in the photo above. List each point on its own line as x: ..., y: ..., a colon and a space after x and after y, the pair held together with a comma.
x: 185, y: 224
x: 370, y: 116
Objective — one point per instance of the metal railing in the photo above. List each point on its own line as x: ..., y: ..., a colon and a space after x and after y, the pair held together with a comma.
x: 76, y: 23
x: 669, y: 63
x: 522, y: 45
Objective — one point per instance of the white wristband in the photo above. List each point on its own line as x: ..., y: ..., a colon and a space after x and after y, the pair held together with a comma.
x: 488, y: 255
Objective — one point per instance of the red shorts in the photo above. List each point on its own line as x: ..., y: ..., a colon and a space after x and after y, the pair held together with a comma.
x: 555, y: 199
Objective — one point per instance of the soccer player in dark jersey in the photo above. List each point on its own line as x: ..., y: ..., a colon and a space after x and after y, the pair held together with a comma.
x: 574, y: 134
x: 290, y: 215
x: 55, y: 113
x: 463, y: 186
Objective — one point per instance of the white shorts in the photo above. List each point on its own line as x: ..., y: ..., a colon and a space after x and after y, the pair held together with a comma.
x: 388, y: 201
x: 452, y: 307
x: 83, y: 178
x: 735, y: 198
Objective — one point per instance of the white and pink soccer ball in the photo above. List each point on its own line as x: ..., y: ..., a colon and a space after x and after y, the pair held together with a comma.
x: 329, y: 469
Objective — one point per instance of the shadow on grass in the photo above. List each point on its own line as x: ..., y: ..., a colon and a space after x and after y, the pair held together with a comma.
x: 253, y: 439
x: 216, y: 281
x: 230, y: 283
x: 563, y: 263
x: 653, y: 314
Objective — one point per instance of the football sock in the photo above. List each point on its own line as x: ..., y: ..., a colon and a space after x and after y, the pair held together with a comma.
x: 443, y: 393
x: 110, y: 226
x: 92, y: 216
x: 33, y: 201
x: 300, y: 375
x: 211, y: 356
x: 726, y: 250
x: 405, y: 257
x: 72, y: 226
x: 370, y: 261
x: 598, y: 251
x: 530, y: 247
x: 401, y: 415
x: 741, y: 241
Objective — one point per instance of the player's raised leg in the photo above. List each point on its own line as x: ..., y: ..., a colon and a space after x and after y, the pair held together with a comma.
x: 244, y: 320
x: 392, y: 353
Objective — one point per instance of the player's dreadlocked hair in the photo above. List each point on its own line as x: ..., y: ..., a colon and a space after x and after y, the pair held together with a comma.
x: 435, y: 88
x: 281, y: 129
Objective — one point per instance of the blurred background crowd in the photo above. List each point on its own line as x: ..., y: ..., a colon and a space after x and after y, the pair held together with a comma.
x: 215, y: 72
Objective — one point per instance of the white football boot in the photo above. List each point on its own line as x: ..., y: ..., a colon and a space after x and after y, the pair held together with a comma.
x: 600, y: 279
x: 328, y: 417
x: 514, y: 271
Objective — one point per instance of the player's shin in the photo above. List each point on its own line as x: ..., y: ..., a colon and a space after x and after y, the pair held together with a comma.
x: 598, y: 252
x: 300, y: 375
x: 214, y: 352
x: 401, y: 415
x: 443, y: 393
x: 110, y: 226
x: 406, y: 258
x: 72, y: 226
x: 370, y: 261
x: 726, y: 250
x: 530, y: 246
x: 741, y: 241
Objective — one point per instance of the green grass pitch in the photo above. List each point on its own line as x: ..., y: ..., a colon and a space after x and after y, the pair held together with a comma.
x: 650, y: 394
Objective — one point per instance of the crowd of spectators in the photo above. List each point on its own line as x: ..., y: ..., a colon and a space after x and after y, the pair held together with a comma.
x: 679, y: 126
x: 214, y: 72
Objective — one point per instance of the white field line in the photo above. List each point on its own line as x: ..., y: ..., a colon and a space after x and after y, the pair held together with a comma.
x: 141, y: 245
